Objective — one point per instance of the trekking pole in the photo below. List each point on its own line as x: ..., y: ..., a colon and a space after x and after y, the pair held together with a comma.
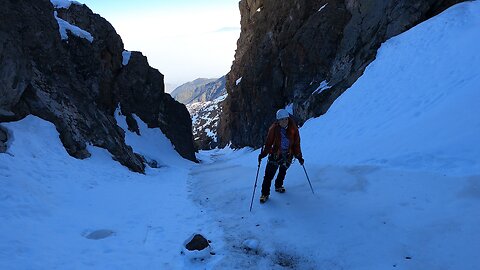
x: 255, y: 187
x: 310, y: 183
x: 256, y: 179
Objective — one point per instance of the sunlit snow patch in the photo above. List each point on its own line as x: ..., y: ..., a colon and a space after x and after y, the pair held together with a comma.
x: 126, y: 57
x: 323, y: 86
x: 64, y: 26
x: 322, y: 7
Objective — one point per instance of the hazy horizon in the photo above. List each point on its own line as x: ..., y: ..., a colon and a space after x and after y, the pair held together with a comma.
x: 184, y: 39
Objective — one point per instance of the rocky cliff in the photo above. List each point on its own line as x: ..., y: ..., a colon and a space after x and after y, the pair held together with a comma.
x: 306, y: 53
x: 64, y: 64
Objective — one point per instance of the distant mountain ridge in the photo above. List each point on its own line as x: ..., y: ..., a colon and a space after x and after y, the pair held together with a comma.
x: 200, y: 90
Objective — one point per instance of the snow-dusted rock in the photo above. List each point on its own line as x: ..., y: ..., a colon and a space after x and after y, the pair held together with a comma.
x: 197, y: 248
x: 3, y: 140
x: 65, y: 28
x: 197, y: 242
x: 251, y: 245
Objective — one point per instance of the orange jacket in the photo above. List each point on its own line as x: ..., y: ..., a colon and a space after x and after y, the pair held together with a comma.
x: 272, y: 144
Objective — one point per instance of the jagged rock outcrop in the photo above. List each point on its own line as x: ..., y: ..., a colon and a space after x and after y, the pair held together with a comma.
x: 75, y: 83
x: 198, y: 242
x: 306, y: 53
x: 139, y: 89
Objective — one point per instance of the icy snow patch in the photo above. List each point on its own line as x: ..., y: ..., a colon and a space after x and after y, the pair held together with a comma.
x: 251, y: 244
x: 126, y: 57
x: 289, y: 108
x: 323, y: 86
x: 98, y: 234
x: 322, y: 7
x: 64, y: 26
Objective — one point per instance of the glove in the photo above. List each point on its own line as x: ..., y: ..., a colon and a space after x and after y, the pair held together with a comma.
x: 301, y: 160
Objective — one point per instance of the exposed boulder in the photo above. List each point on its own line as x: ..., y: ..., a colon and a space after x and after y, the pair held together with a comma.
x: 197, y: 248
x: 198, y: 242
x: 305, y: 53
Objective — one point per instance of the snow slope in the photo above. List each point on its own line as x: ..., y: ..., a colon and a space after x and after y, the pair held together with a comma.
x: 394, y: 166
x: 415, y: 107
x: 394, y: 162
x: 50, y: 202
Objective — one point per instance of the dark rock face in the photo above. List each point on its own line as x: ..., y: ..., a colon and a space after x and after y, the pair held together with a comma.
x: 96, y: 64
x: 289, y: 49
x: 75, y: 83
x: 19, y: 37
x: 3, y: 140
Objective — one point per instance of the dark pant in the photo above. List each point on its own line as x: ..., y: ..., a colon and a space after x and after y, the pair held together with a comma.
x: 272, y: 165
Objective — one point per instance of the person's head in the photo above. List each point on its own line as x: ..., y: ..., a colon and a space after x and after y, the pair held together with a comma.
x: 282, y: 117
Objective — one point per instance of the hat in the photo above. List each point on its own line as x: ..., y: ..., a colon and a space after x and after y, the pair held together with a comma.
x: 282, y: 113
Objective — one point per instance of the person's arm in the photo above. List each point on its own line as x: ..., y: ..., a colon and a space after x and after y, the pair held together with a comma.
x: 297, y: 149
x: 268, y: 143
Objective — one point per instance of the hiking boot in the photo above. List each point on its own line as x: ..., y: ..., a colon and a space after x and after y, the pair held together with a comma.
x: 280, y: 189
x: 263, y: 198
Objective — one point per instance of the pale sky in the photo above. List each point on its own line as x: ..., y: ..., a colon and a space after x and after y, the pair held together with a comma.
x: 183, y: 39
